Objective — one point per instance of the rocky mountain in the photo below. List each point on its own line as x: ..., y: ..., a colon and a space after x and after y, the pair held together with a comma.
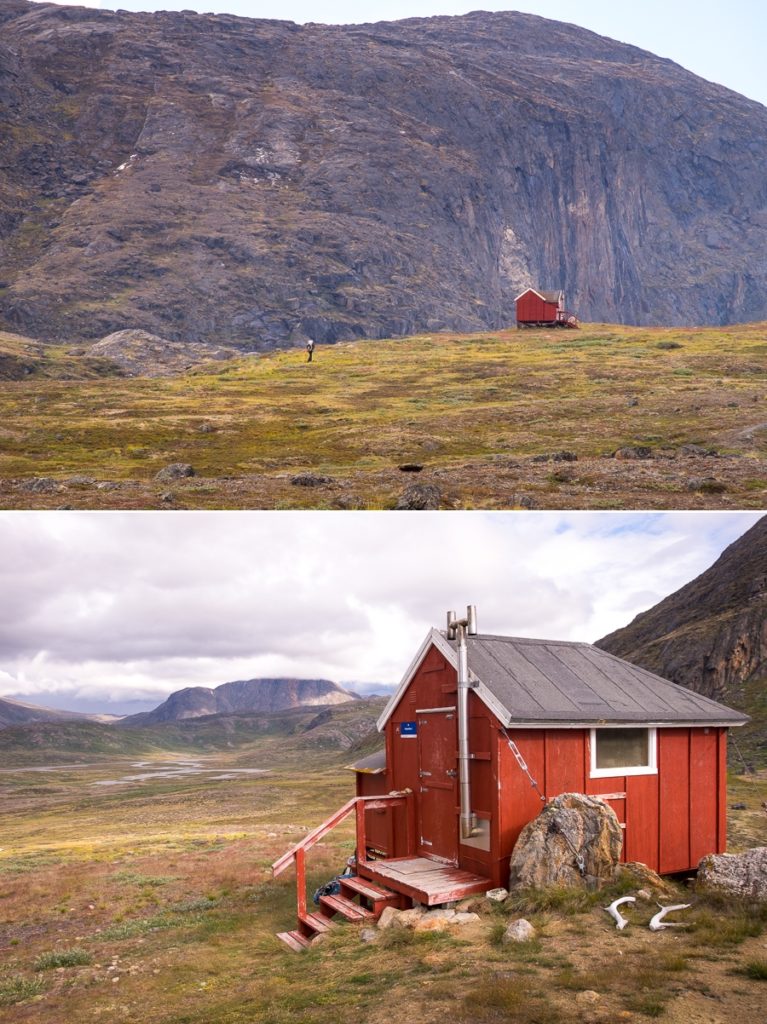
x: 265, y: 696
x: 711, y: 635
x: 218, y: 179
x: 15, y: 712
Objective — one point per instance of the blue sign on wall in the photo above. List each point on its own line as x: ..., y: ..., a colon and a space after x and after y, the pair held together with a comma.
x: 408, y: 729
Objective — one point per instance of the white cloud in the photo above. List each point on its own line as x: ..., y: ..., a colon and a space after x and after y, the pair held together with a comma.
x: 140, y: 604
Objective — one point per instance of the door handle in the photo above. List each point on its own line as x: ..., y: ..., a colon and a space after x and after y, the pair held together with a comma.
x: 423, y: 775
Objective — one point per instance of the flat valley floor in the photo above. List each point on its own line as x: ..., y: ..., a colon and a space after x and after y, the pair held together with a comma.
x: 150, y: 899
x: 602, y: 418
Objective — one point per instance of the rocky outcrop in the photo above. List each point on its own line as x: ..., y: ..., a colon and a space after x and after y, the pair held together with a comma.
x: 576, y: 840
x: 260, y: 695
x: 140, y: 353
x: 711, y: 635
x: 213, y: 178
x: 743, y: 875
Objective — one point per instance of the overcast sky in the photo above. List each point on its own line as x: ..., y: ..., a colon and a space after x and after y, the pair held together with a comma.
x: 99, y: 607
x: 721, y: 40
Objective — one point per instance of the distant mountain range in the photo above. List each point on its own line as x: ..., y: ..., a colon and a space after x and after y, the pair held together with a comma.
x: 210, y: 178
x: 261, y: 695
x: 16, y: 712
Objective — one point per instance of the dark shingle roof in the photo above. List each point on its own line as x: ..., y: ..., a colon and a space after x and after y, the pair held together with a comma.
x: 563, y: 682
x: 373, y: 764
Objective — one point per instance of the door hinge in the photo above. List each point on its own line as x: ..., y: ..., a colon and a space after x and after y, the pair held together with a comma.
x: 451, y: 772
x: 423, y: 775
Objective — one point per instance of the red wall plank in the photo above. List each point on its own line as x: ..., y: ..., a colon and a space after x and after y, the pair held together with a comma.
x: 674, y: 772
x: 704, y: 782
x: 641, y: 835
x: 722, y: 793
x: 564, y: 762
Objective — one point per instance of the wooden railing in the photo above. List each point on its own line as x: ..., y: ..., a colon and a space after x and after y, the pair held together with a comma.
x: 359, y: 804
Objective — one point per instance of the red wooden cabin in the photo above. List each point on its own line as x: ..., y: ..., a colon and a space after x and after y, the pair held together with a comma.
x: 580, y: 719
x: 543, y: 309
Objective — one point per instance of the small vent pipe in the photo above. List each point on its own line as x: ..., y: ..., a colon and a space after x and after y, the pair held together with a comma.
x: 459, y: 629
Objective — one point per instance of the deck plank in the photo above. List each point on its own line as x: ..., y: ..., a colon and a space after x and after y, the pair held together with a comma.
x: 424, y: 880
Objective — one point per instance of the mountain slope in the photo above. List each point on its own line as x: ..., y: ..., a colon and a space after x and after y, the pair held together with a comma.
x: 261, y: 695
x: 711, y: 635
x: 15, y: 712
x: 285, y: 736
x: 214, y: 178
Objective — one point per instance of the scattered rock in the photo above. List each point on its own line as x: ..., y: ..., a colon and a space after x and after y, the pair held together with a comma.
x: 419, y: 497
x: 588, y: 997
x: 206, y: 428
x: 563, y: 456
x: 167, y: 497
x: 632, y: 402
x: 408, y: 918
x: 651, y: 882
x: 633, y: 452
x: 644, y: 894
x: 411, y: 467
x: 571, y: 825
x: 388, y: 918
x: 736, y: 874
x: 80, y: 481
x: 463, y: 918
x: 696, y: 450
x: 368, y: 935
x: 706, y: 485
x: 522, y: 501
x: 351, y: 502
x: 496, y: 895
x: 738, y: 807
x: 432, y: 922
x: 519, y: 931
x: 175, y: 471
x: 310, y: 480
x: 40, y: 485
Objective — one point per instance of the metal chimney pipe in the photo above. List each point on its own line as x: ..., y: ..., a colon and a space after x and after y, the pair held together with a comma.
x: 462, y: 627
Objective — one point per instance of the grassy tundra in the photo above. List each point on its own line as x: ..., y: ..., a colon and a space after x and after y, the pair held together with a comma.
x: 484, y: 415
x: 153, y: 901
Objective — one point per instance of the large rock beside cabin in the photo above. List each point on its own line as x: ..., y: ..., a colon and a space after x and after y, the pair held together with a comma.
x: 570, y: 827
x: 743, y: 875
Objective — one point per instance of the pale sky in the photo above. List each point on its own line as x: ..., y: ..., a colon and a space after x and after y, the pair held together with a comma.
x: 720, y: 40
x: 98, y: 607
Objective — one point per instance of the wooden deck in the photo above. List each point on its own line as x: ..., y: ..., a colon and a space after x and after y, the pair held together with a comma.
x: 424, y: 880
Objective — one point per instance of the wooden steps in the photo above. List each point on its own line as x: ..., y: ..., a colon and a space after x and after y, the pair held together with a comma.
x: 347, y: 908
x: 373, y: 899
x: 294, y: 940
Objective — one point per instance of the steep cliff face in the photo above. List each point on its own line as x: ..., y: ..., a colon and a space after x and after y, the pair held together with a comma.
x: 712, y: 634
x: 214, y: 178
x: 261, y: 695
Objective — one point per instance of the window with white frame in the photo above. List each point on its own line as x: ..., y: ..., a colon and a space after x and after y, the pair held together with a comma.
x: 623, y: 752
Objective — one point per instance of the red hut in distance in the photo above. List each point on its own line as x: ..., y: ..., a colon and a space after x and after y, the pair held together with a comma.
x: 543, y: 309
x: 439, y: 808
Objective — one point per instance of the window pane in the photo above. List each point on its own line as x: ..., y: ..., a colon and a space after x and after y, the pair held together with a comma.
x: 623, y: 748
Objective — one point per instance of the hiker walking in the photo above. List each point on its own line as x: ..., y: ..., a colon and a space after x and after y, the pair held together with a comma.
x: 309, y: 350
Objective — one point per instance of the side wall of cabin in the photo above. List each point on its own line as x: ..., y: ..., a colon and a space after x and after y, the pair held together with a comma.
x: 670, y: 819
x: 532, y: 309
